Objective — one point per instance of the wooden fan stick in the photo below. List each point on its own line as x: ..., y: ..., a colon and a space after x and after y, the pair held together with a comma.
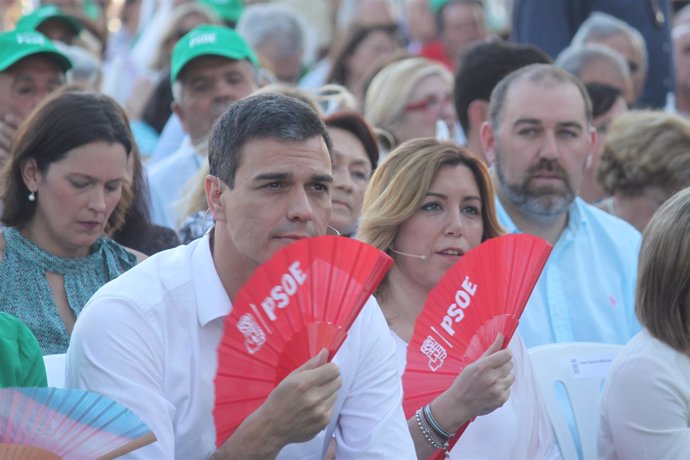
x: 130, y: 446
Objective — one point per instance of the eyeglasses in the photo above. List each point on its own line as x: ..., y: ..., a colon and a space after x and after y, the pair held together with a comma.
x: 428, y: 104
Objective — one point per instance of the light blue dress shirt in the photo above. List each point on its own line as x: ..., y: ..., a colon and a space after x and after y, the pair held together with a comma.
x: 170, y: 140
x: 168, y: 178
x: 587, y: 289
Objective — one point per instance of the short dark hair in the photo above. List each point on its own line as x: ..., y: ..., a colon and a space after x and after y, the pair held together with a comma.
x: 535, y: 73
x: 353, y: 123
x: 262, y: 116
x: 483, y: 66
x: 64, y: 121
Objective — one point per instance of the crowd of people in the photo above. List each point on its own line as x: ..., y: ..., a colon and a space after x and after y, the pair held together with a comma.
x: 154, y: 153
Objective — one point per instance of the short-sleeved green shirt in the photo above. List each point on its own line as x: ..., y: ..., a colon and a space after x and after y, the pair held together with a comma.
x: 21, y: 362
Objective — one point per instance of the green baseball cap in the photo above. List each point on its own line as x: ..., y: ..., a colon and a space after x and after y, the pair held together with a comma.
x: 18, y: 44
x: 228, y: 10
x: 436, y: 5
x: 33, y: 20
x: 209, y: 40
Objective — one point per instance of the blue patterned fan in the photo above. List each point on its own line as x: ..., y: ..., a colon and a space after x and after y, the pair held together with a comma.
x: 64, y: 423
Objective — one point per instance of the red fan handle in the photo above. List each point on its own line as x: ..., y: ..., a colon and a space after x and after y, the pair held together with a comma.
x: 308, y: 341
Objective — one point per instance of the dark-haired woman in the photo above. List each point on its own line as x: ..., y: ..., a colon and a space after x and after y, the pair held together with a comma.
x: 355, y: 156
x: 62, y: 191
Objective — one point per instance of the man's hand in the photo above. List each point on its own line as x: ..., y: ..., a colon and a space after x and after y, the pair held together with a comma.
x: 295, y: 411
x: 8, y: 126
x: 481, y: 388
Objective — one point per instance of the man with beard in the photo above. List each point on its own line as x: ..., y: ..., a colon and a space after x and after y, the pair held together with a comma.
x: 211, y: 67
x: 539, y: 139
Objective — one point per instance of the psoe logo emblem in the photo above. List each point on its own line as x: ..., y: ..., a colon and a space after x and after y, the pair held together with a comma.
x: 202, y: 39
x: 30, y: 39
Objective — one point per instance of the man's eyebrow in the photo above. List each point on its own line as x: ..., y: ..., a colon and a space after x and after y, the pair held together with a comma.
x: 322, y: 178
x: 527, y: 121
x: 272, y: 176
x: 286, y: 176
x: 195, y: 78
x: 571, y: 124
x: 536, y: 121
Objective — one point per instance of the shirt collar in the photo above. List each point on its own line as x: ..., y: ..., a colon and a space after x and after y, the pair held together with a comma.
x: 212, y: 300
x: 575, y: 218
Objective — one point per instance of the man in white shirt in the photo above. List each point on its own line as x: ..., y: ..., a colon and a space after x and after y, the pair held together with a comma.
x: 149, y: 338
x: 211, y: 67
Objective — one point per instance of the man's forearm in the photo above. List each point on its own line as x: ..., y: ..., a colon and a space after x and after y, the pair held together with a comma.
x: 253, y: 439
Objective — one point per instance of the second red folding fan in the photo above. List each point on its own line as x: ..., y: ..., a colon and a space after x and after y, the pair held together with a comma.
x: 303, y: 299
x: 483, y: 294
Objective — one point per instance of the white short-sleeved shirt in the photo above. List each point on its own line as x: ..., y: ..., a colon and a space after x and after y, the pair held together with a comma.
x: 645, y: 406
x: 520, y: 429
x: 148, y: 340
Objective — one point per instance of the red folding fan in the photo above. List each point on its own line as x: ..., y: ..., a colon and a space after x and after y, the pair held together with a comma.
x: 303, y: 299
x: 483, y: 294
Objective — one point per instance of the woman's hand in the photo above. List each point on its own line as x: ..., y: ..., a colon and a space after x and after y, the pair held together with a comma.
x: 481, y: 388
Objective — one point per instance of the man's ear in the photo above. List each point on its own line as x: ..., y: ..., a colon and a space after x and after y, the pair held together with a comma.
x: 214, y: 191
x: 30, y: 174
x: 179, y: 111
x: 478, y: 112
x: 488, y: 142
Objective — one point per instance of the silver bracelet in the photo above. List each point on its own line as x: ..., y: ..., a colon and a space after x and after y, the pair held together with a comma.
x: 435, y: 425
x: 430, y: 437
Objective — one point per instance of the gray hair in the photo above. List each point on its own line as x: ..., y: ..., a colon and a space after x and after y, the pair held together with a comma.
x: 261, y: 116
x: 576, y: 58
x: 601, y: 25
x: 274, y: 25
x: 535, y: 73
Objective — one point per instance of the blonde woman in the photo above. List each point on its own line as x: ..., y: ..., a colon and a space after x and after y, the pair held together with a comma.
x: 409, y: 99
x: 646, y: 160
x: 427, y: 204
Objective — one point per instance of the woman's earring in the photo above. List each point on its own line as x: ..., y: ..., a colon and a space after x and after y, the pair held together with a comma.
x: 32, y: 196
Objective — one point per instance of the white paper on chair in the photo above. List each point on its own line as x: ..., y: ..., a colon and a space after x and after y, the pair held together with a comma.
x: 585, y: 367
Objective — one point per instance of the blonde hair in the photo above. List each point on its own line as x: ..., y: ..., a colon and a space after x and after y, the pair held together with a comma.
x: 663, y: 276
x: 192, y: 197
x: 390, y: 90
x: 398, y: 187
x: 645, y: 147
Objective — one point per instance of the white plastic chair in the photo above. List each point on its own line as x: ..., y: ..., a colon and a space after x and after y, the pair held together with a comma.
x: 55, y: 370
x: 581, y: 368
